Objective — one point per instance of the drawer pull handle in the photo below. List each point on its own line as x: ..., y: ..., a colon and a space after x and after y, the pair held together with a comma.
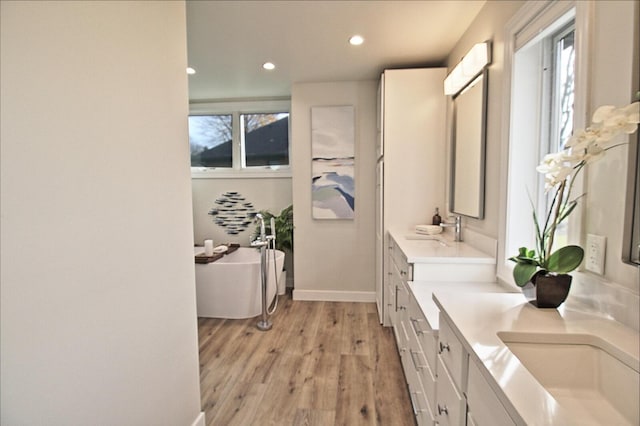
x: 414, y: 323
x: 413, y: 359
x: 414, y: 404
x: 444, y: 347
x: 443, y: 410
x: 403, y: 273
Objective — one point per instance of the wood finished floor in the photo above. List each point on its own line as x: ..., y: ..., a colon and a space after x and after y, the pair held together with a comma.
x: 322, y: 363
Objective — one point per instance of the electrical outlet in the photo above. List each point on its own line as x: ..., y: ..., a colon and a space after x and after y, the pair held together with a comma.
x: 594, y: 253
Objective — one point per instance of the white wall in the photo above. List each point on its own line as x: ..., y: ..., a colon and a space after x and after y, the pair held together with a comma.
x: 273, y: 194
x: 617, y: 293
x: 334, y: 258
x: 98, y: 296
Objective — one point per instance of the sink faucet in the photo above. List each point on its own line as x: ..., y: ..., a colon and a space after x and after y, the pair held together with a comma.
x: 457, y: 225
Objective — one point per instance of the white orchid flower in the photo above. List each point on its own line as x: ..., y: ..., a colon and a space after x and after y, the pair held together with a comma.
x: 581, y: 139
x: 633, y: 112
x: 603, y: 113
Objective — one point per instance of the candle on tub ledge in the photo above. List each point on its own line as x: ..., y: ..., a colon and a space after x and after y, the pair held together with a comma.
x: 208, y: 247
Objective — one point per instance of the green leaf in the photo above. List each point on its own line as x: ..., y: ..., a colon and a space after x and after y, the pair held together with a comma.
x: 526, y: 256
x: 565, y: 259
x: 523, y: 272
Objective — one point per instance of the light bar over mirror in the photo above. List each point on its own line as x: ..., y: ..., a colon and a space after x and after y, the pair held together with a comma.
x: 471, y: 65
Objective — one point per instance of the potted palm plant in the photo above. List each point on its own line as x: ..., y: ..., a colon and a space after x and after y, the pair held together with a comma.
x: 545, y: 269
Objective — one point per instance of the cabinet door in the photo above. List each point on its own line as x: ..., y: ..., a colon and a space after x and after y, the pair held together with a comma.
x: 453, y: 355
x: 380, y: 255
x: 484, y: 407
x: 450, y: 404
x: 414, y: 147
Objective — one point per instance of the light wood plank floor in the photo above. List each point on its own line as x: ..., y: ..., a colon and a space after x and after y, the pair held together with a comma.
x: 322, y: 363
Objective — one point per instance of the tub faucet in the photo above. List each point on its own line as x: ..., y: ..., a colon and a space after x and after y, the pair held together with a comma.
x: 457, y: 225
x: 261, y: 240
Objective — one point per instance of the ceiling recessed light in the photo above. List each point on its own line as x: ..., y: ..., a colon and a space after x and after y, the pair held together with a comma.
x: 356, y: 40
x: 190, y: 71
x: 268, y: 66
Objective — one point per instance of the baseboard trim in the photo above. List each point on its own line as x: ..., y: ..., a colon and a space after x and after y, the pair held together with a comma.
x: 199, y: 421
x: 334, y: 295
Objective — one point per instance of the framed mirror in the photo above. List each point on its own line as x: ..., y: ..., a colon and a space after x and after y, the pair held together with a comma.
x: 468, y: 149
x: 631, y: 234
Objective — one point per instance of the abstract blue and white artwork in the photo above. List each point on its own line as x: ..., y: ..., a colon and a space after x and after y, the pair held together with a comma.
x: 332, y: 164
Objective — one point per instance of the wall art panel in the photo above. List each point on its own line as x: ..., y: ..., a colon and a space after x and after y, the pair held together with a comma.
x: 333, y: 162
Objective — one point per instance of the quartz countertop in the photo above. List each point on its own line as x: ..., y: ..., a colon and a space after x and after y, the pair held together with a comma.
x: 476, y: 319
x: 438, y: 248
x: 423, y: 292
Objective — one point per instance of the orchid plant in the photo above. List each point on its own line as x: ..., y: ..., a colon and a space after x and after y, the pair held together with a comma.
x: 560, y: 170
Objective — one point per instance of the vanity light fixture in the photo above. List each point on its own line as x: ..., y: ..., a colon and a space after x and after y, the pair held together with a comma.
x: 468, y: 68
x: 268, y: 66
x: 191, y: 71
x: 356, y: 40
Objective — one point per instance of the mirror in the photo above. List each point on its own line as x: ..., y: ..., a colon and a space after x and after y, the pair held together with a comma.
x: 631, y: 234
x: 468, y: 149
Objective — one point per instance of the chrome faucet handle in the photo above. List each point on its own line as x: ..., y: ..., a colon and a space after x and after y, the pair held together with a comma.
x: 457, y: 225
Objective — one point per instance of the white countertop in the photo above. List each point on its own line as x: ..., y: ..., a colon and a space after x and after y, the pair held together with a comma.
x: 438, y: 249
x: 423, y: 292
x: 478, y: 317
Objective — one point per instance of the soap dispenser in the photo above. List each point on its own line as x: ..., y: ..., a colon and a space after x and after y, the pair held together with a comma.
x: 436, y: 218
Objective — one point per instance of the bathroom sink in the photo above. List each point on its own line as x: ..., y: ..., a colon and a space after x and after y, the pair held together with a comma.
x: 594, y: 381
x: 435, y: 239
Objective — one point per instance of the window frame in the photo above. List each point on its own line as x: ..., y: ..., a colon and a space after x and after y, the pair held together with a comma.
x: 237, y: 108
x: 522, y: 29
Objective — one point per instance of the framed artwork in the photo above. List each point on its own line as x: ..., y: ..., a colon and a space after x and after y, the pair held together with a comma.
x: 332, y: 162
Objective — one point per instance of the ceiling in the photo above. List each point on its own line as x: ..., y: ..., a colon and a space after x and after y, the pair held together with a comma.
x: 228, y: 41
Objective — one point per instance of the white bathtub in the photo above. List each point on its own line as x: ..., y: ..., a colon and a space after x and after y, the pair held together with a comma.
x: 231, y: 287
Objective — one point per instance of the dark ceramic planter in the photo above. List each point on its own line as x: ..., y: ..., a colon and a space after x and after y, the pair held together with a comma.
x: 551, y: 289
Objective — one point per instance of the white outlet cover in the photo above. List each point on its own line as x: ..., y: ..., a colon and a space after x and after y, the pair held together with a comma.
x: 595, y: 253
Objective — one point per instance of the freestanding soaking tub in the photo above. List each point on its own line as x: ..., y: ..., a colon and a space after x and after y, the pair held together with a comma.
x: 231, y: 288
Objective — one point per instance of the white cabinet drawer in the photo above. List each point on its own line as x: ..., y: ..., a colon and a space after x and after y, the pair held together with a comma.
x: 402, y: 337
x: 427, y: 337
x: 397, y: 256
x: 453, y: 355
x: 402, y: 299
x: 484, y: 407
x: 390, y: 301
x: 450, y: 404
x: 421, y: 407
x: 428, y: 379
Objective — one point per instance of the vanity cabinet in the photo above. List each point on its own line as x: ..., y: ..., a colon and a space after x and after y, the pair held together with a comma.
x: 453, y: 362
x: 426, y: 360
x: 484, y: 408
x: 463, y: 396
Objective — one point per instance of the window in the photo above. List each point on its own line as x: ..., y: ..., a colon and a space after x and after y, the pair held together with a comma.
x: 541, y: 59
x: 239, y: 139
x: 210, y: 140
x: 265, y: 139
x: 559, y: 48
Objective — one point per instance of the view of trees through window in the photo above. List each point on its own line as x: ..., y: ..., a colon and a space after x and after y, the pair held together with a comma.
x: 264, y: 140
x: 210, y: 139
x: 563, y: 59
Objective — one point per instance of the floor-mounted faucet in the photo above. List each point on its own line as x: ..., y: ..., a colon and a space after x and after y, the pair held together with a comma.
x: 457, y: 225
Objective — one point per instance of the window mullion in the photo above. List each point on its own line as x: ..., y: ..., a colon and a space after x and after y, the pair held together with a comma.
x: 236, y: 150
